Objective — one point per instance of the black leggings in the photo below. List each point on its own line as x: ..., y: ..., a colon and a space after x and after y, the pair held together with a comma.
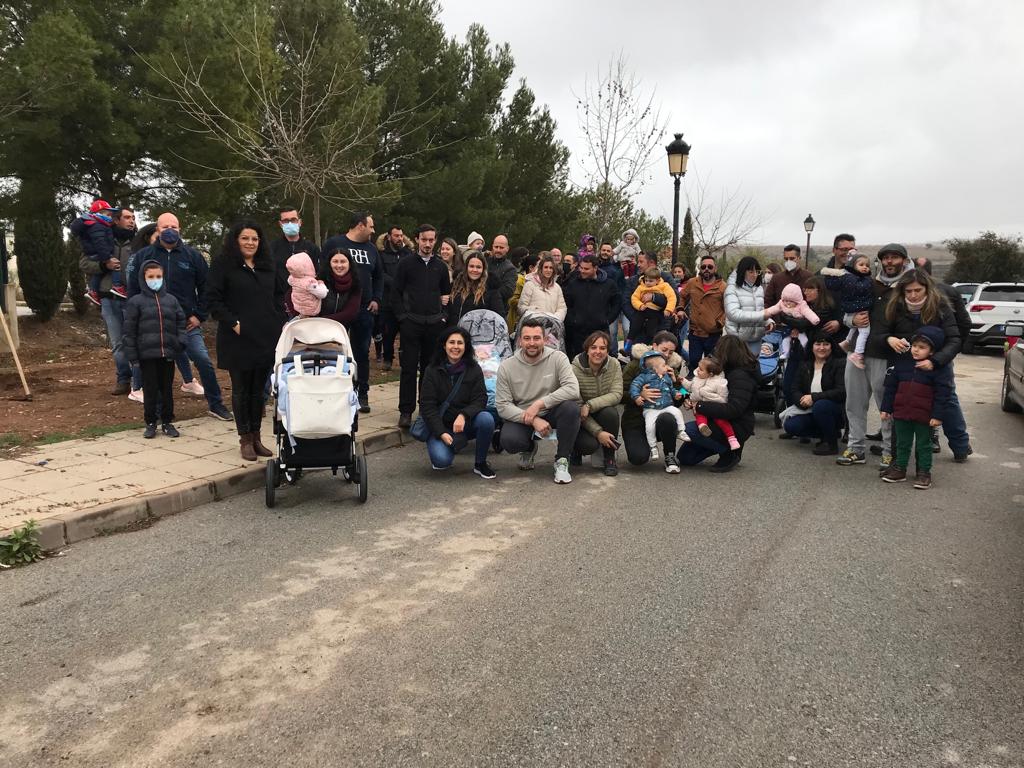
x: 638, y: 452
x: 247, y: 397
x: 157, y: 389
x: 608, y: 418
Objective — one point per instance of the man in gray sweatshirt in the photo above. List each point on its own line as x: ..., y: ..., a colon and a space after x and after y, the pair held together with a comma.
x: 536, y: 393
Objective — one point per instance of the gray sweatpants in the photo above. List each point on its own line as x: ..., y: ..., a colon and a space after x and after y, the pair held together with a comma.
x: 861, y: 384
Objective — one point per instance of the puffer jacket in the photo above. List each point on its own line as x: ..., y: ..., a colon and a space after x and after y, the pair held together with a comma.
x: 154, y: 323
x: 706, y: 308
x: 833, y: 381
x: 913, y: 394
x: 713, y: 389
x: 536, y: 298
x: 904, y: 325
x: 739, y: 409
x: 601, y: 390
x: 592, y: 304
x: 632, y: 414
x: 744, y: 310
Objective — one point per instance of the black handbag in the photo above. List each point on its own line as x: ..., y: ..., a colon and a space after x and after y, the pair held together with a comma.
x: 419, y: 429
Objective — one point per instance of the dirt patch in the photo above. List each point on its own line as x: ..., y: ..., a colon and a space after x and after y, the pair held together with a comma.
x: 70, y: 371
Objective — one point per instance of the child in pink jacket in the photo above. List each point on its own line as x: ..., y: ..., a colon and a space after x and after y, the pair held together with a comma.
x: 306, y: 290
x: 709, y: 386
x: 792, y: 306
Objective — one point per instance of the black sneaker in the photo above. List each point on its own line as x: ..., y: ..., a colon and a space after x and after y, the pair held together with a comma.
x: 726, y: 462
x: 575, y: 459
x: 960, y: 458
x: 936, y: 448
x: 876, y: 437
x: 611, y: 469
x: 220, y: 412
x: 484, y: 470
x: 171, y: 431
x: 150, y: 432
x: 876, y: 450
x: 364, y: 404
x: 826, y: 449
x: 786, y: 436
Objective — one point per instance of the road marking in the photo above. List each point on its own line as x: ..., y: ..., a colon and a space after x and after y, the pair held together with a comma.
x: 1011, y: 464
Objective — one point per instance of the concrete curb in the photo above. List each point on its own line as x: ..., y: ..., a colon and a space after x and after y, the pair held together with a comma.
x: 138, y: 512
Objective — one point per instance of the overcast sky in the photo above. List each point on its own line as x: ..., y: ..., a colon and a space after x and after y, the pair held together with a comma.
x: 897, y: 120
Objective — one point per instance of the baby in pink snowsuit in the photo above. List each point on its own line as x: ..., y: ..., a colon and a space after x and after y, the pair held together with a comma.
x: 307, y: 291
x: 793, y: 305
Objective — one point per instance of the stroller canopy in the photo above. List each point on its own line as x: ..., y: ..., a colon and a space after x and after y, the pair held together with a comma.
x: 311, y: 331
x: 487, y: 328
x: 554, y: 331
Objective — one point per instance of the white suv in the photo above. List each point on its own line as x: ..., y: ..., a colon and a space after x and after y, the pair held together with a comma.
x: 992, y: 306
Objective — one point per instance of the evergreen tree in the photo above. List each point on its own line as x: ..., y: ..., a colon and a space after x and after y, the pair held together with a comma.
x: 987, y: 258
x: 687, y: 250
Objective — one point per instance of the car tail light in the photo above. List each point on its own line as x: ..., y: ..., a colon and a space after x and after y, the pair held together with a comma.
x: 982, y: 307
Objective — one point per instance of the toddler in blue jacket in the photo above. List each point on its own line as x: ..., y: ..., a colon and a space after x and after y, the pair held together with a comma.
x: 657, y: 375
x: 856, y: 289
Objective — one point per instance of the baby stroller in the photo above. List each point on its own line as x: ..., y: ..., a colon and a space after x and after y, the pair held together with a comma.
x: 554, y: 330
x: 489, y: 334
x: 316, y: 408
x: 771, y: 395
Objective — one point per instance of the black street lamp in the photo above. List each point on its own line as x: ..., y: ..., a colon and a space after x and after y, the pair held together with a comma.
x: 678, y: 154
x: 808, y: 228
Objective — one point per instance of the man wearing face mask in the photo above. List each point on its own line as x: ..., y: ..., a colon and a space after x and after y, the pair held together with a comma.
x: 291, y: 242
x: 359, y: 242
x: 185, y: 271
x: 792, y: 272
x: 112, y: 308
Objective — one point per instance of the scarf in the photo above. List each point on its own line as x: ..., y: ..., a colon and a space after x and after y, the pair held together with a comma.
x: 343, y: 283
x: 915, y: 307
x: 454, y: 369
x: 888, y: 281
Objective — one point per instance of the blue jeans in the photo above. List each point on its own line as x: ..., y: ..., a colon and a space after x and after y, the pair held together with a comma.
x: 825, y: 421
x: 195, y: 350
x: 112, y: 312
x: 481, y: 429
x: 699, y: 448
x: 701, y: 346
x: 954, y: 426
x: 360, y: 333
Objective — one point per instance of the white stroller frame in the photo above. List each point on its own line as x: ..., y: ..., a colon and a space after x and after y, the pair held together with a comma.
x: 322, y: 408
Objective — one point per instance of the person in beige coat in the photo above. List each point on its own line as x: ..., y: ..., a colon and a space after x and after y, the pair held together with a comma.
x: 541, y: 293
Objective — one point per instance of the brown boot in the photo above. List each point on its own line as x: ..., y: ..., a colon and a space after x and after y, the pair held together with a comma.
x: 257, y: 446
x: 245, y: 441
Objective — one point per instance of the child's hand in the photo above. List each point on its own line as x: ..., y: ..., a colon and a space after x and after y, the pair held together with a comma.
x: 883, y: 415
x: 934, y: 422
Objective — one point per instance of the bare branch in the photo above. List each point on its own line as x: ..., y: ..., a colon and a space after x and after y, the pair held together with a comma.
x: 722, y: 223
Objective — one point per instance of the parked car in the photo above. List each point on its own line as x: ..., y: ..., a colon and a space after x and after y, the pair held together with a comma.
x: 1011, y: 398
x: 966, y: 291
x: 991, y: 307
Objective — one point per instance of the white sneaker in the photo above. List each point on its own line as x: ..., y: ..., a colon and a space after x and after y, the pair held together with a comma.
x: 683, y: 437
x: 136, y: 395
x: 654, y: 453
x: 562, y: 471
x: 193, y: 388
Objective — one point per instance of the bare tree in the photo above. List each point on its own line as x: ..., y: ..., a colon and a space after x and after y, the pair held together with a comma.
x: 314, y: 139
x: 621, y: 126
x: 719, y: 222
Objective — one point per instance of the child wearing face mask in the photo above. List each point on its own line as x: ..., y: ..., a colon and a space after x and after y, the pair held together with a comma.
x: 793, y: 307
x: 306, y: 291
x: 856, y: 288
x: 153, y: 336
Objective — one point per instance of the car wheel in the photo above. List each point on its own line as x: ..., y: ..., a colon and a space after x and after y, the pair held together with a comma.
x: 1006, y: 401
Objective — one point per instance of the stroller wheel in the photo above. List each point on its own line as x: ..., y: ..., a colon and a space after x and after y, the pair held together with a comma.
x: 780, y: 406
x: 271, y: 482
x: 361, y: 477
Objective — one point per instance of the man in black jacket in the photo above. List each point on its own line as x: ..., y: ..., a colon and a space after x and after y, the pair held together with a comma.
x: 394, y: 251
x: 291, y: 242
x: 592, y: 302
x: 421, y: 290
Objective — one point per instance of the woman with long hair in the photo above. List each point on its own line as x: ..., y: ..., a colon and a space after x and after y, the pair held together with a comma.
x: 470, y: 290
x: 541, y: 291
x: 245, y: 294
x: 451, y: 255
x: 741, y: 372
x: 344, y: 292
x: 453, y: 403
x: 820, y: 299
x: 744, y: 303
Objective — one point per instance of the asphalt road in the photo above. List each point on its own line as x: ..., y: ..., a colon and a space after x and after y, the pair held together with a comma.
x: 790, y: 613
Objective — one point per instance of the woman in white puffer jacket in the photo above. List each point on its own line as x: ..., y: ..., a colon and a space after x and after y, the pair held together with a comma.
x: 744, y: 304
x: 540, y: 291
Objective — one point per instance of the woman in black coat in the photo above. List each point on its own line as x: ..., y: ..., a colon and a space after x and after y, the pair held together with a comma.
x: 820, y: 388
x: 465, y: 417
x: 473, y: 289
x: 742, y: 374
x: 245, y: 294
x: 825, y: 307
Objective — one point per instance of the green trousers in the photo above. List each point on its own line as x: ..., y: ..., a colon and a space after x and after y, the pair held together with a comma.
x: 906, y: 433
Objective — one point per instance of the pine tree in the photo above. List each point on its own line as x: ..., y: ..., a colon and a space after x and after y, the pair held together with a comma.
x: 39, y: 248
x: 687, y: 250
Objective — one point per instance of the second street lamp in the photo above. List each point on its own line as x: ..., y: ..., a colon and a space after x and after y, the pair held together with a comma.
x: 808, y: 228
x: 678, y: 153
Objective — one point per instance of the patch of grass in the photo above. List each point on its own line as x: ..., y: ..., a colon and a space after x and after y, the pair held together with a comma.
x: 12, y: 443
x: 9, y: 441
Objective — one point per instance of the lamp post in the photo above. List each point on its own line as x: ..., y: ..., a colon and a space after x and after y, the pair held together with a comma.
x: 808, y: 228
x: 678, y: 153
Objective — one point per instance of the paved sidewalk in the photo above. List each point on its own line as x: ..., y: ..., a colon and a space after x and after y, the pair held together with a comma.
x: 83, y: 488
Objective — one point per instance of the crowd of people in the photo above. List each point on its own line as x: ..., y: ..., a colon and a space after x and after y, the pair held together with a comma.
x: 681, y: 387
